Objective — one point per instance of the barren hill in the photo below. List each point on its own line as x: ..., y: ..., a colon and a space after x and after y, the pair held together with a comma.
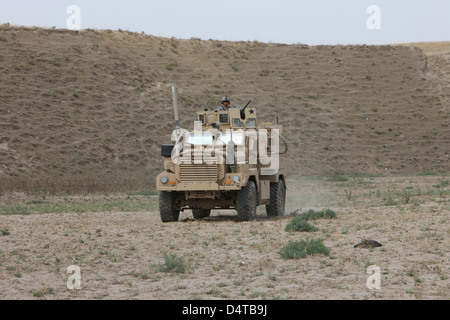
x: 95, y: 105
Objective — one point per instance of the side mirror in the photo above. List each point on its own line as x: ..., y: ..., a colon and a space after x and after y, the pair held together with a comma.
x: 166, y: 150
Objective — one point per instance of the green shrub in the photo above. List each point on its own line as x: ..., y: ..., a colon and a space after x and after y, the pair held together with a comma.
x: 300, y: 224
x: 442, y: 184
x: 172, y: 263
x: 390, y: 202
x: 171, y: 66
x: 264, y: 73
x: 313, y: 215
x: 296, y: 249
x: 426, y: 173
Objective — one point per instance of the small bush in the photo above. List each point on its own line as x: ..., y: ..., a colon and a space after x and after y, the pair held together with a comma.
x: 171, y: 66
x: 313, y: 215
x: 390, y: 202
x: 172, y: 263
x: 442, y: 184
x: 42, y: 292
x: 300, y: 224
x: 264, y: 73
x: 426, y: 173
x: 296, y: 249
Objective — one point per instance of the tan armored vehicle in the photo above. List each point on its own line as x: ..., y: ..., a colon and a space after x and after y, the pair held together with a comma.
x: 230, y: 161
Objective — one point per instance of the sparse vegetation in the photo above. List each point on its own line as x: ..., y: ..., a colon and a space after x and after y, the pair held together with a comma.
x: 42, y: 292
x: 313, y: 215
x: 219, y: 249
x: 300, y: 249
x: 171, y: 66
x: 173, y: 263
x: 300, y: 224
x: 337, y: 178
x: 234, y: 67
x: 93, y: 203
x: 264, y: 73
x: 442, y: 183
x: 15, y: 210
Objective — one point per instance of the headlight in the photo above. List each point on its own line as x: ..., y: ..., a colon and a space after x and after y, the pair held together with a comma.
x: 236, y: 178
x: 164, y: 179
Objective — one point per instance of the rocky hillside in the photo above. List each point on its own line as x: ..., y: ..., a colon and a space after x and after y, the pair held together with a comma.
x: 95, y: 105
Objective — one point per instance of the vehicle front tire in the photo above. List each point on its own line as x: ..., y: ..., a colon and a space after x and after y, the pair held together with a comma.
x: 167, y: 208
x: 247, y: 202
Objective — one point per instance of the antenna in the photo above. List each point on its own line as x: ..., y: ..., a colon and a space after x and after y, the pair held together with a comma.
x: 246, y: 105
x: 175, y: 106
x: 277, y: 113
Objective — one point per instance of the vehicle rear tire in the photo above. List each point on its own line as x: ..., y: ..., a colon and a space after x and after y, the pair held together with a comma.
x: 167, y: 208
x: 277, y: 199
x: 246, y: 202
x: 201, y: 213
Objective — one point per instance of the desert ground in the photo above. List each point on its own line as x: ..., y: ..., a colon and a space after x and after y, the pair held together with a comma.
x: 119, y: 244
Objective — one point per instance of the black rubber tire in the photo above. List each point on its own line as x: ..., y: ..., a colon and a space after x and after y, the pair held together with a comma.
x: 167, y: 206
x: 246, y: 202
x: 277, y: 203
x: 201, y: 213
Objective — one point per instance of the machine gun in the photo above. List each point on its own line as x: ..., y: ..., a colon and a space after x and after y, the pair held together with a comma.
x: 243, y: 110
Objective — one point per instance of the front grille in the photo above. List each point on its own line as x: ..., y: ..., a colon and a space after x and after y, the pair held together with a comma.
x: 198, y: 172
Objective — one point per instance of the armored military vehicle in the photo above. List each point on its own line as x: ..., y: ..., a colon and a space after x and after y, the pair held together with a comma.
x: 229, y: 161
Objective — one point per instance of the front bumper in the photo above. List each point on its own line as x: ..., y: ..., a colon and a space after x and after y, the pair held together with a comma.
x: 175, y: 185
x: 198, y: 186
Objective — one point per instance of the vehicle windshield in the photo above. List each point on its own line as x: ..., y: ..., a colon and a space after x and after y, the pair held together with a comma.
x: 206, y: 138
x: 199, y: 138
x: 224, y: 138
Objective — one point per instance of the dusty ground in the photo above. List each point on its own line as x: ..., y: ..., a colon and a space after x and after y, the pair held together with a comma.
x: 119, y: 245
